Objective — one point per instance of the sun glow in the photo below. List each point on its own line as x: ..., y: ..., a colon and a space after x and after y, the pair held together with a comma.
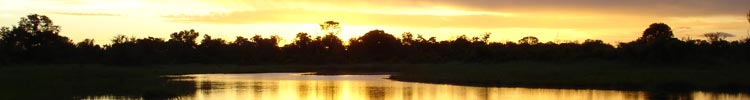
x: 508, y: 21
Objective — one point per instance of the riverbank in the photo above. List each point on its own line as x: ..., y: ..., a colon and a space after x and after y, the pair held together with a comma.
x: 75, y: 81
x: 616, y: 76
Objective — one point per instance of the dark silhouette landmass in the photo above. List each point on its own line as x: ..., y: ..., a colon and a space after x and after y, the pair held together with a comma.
x: 36, y: 40
x: 33, y: 54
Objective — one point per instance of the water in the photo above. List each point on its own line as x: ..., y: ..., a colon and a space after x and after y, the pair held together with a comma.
x: 296, y: 86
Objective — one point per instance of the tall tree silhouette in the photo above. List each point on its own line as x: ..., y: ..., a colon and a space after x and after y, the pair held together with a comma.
x: 657, y: 44
x: 36, y: 39
x: 330, y: 27
x: 375, y: 45
x: 657, y: 32
x: 266, y: 50
x: 181, y: 46
x: 333, y: 47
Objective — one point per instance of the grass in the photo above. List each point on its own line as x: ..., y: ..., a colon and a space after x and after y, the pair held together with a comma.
x: 76, y: 81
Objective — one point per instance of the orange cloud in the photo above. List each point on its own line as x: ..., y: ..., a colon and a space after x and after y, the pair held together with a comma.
x: 297, y: 16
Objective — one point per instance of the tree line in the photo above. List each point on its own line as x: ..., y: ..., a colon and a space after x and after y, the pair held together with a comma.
x: 36, y: 40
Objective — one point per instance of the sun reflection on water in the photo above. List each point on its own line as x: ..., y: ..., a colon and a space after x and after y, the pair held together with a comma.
x: 294, y: 86
x: 297, y: 86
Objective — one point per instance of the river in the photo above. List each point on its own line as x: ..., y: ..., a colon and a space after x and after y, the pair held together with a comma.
x: 299, y: 86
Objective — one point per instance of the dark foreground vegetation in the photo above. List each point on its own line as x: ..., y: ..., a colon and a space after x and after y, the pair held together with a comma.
x: 35, y: 40
x: 585, y: 75
x: 35, y: 59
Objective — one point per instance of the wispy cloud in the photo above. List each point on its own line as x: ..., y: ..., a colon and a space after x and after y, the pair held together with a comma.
x: 620, y: 7
x: 85, y: 14
x: 298, y: 16
x: 632, y: 7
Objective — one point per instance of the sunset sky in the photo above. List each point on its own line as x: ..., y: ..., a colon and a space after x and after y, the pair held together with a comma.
x: 508, y: 20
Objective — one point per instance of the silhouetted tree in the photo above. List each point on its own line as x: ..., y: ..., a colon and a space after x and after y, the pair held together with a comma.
x: 330, y: 47
x: 461, y: 49
x: 151, y: 50
x: 657, y: 32
x: 244, y: 50
x: 715, y: 37
x: 36, y: 39
x: 419, y: 49
x: 330, y: 27
x: 213, y: 50
x: 375, y: 45
x: 186, y: 37
x: 181, y: 46
x: 531, y: 40
x: 267, y: 49
x: 4, y: 55
x: 657, y: 44
x: 596, y: 49
x: 131, y: 51
x: 88, y: 52
x: 301, y: 50
x: 302, y: 39
x: 327, y: 49
x: 333, y: 48
x: 121, y: 39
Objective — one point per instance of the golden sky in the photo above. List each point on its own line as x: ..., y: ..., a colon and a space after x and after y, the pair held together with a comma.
x: 507, y: 20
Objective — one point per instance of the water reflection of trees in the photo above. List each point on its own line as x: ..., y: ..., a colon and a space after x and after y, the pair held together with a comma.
x: 392, y: 90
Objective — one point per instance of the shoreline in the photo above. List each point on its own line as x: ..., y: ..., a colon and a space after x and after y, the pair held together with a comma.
x: 146, y: 80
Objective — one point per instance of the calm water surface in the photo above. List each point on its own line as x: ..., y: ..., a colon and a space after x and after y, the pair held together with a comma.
x: 295, y: 86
